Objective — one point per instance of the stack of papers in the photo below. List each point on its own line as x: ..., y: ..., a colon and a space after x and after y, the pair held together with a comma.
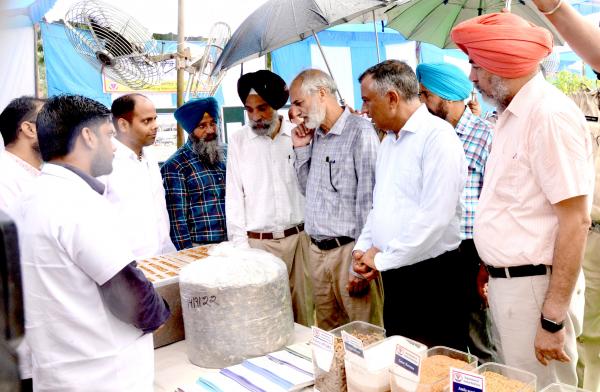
x: 286, y: 370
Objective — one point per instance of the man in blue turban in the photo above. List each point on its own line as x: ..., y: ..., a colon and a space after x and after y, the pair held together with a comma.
x: 194, y: 178
x: 444, y: 88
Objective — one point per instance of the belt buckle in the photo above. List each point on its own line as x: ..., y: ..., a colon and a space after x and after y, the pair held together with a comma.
x: 277, y: 235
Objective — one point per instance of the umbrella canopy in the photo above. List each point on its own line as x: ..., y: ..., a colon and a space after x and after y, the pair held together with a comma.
x: 281, y: 22
x: 432, y: 20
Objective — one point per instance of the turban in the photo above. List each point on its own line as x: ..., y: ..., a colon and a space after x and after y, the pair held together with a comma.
x: 190, y: 114
x: 503, y: 43
x: 445, y: 80
x: 268, y: 85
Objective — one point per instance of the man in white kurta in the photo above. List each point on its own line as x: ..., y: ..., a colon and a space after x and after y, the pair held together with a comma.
x: 135, y: 186
x: 263, y: 202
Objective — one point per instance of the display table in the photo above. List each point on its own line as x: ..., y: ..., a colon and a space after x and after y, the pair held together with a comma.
x: 172, y: 368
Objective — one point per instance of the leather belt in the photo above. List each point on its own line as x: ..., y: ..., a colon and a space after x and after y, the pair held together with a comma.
x: 278, y: 234
x: 331, y: 243
x: 595, y: 226
x: 518, y: 271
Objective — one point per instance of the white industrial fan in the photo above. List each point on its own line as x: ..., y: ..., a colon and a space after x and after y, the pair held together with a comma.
x: 202, y: 82
x: 115, y: 43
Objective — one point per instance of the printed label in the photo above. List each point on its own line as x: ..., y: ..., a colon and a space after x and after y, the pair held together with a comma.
x: 463, y: 381
x: 353, y: 344
x: 408, y: 360
x: 322, y: 346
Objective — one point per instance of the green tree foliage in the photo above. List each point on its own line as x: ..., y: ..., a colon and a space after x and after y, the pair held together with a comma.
x: 569, y: 82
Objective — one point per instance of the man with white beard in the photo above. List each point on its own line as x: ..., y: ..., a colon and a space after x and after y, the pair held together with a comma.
x: 264, y: 206
x: 335, y: 153
x: 194, y: 178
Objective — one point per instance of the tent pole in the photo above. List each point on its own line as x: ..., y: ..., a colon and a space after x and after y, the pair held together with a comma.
x: 36, y: 71
x: 376, y: 37
x: 180, y: 66
x: 327, y: 65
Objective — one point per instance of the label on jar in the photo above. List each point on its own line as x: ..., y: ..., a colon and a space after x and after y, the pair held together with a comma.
x: 463, y: 381
x: 323, y: 349
x: 353, y: 344
x: 408, y: 360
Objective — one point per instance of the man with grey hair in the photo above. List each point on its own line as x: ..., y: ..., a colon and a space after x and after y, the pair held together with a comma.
x: 335, y: 155
x: 412, y: 233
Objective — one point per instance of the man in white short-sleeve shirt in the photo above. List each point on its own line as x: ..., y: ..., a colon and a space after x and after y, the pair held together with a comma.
x: 88, y: 310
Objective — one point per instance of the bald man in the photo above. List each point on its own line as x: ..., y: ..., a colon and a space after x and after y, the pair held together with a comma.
x: 534, y: 210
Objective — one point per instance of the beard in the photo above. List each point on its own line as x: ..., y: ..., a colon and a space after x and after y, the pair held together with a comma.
x: 315, y: 116
x: 498, y: 96
x: 208, y: 151
x: 263, y: 127
x: 440, y: 111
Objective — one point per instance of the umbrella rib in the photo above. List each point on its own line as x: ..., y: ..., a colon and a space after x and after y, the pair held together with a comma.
x: 447, y: 35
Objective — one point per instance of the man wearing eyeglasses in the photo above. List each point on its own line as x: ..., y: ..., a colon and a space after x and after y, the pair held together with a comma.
x: 194, y: 178
x: 335, y: 154
x: 264, y: 205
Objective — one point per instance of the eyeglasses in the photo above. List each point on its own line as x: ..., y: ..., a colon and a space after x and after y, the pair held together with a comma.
x: 205, y: 126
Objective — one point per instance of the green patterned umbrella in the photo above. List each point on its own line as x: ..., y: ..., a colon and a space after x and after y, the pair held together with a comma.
x: 432, y: 20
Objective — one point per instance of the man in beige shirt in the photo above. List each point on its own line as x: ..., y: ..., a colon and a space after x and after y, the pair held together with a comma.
x: 533, y: 217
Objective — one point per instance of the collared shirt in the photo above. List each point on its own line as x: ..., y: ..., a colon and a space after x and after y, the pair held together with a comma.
x: 263, y: 194
x: 476, y: 136
x: 541, y: 155
x: 135, y: 188
x: 417, y: 197
x: 70, y: 245
x: 195, y: 194
x: 336, y: 173
x: 17, y: 175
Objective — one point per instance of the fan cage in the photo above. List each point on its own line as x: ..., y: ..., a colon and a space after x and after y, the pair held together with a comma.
x: 114, y: 43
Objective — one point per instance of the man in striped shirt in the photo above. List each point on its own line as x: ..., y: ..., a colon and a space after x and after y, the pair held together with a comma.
x: 444, y: 88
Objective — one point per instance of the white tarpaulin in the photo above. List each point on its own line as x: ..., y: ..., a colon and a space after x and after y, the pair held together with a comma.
x: 17, y: 67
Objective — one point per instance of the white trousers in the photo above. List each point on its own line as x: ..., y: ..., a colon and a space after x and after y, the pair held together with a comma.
x: 516, y: 304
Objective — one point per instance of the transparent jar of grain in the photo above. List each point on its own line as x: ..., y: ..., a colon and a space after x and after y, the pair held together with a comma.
x: 503, y: 378
x: 371, y: 372
x: 333, y: 379
x: 435, y: 370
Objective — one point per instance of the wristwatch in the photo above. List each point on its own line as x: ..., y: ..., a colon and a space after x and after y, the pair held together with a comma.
x: 551, y: 325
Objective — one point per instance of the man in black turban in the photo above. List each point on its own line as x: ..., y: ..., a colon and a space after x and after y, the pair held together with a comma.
x: 263, y: 202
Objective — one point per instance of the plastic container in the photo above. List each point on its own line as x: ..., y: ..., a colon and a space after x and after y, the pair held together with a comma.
x: 513, y: 380
x: 371, y: 373
x: 334, y: 378
x: 559, y: 387
x: 403, y: 381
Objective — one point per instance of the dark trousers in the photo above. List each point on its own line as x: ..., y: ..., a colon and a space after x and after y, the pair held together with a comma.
x: 481, y: 342
x: 428, y: 301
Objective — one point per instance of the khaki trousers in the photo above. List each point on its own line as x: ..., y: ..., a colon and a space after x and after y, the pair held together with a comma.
x: 589, y: 341
x: 293, y: 250
x: 329, y: 270
x: 516, y: 304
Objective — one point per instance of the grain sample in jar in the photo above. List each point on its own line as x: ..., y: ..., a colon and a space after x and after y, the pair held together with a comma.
x: 502, y: 378
x: 328, y: 357
x: 435, y: 371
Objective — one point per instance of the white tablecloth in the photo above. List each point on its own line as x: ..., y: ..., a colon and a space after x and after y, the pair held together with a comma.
x: 172, y: 367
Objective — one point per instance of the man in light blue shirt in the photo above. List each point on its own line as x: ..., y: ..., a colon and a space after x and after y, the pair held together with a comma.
x: 412, y: 234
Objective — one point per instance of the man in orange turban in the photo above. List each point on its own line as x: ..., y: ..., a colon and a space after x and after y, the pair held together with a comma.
x: 534, y: 210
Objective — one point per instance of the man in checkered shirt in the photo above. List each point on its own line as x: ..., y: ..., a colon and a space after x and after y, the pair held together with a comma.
x: 194, y: 178
x: 444, y: 88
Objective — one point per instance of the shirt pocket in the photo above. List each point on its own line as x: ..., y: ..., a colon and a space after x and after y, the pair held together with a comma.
x: 408, y: 185
x: 506, y: 186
